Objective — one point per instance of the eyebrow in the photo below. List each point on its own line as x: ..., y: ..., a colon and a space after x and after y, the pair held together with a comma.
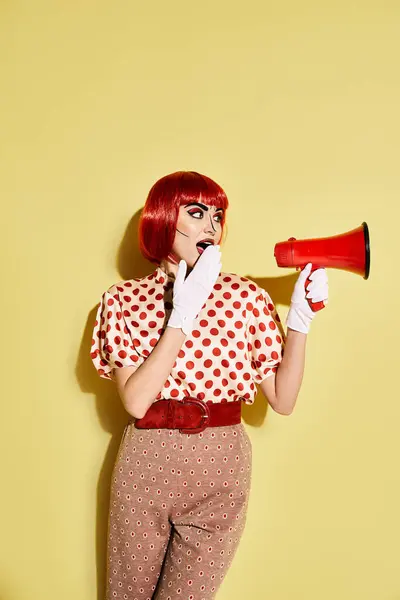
x: 203, y: 206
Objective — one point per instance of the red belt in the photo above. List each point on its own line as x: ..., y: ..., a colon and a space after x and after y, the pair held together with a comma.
x: 190, y: 415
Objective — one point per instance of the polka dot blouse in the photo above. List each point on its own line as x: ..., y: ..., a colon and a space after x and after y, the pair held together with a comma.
x: 237, y: 339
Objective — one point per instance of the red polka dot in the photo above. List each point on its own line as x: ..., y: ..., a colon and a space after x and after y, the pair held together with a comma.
x: 182, y: 374
x: 221, y: 323
x: 196, y: 333
x: 232, y: 375
x: 229, y: 314
x: 227, y: 295
x: 214, y: 331
x: 219, y: 304
x: 211, y: 313
x: 217, y: 392
x: 208, y: 384
x: 190, y: 365
x: 174, y: 393
x: 199, y: 374
x: 268, y: 341
x: 274, y: 355
x: 206, y: 342
x: 217, y: 372
x: 238, y: 324
x: 224, y: 342
x: 208, y: 363
x: 152, y: 324
x: 198, y: 354
x: 203, y: 323
x: 189, y: 344
x: 272, y: 325
x: 153, y: 342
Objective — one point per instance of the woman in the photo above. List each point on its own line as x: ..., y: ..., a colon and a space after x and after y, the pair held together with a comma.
x: 185, y: 350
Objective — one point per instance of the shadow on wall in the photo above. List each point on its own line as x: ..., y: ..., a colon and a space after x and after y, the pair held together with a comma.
x: 112, y: 416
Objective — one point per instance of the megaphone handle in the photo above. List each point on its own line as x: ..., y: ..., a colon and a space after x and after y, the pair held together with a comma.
x: 315, y: 306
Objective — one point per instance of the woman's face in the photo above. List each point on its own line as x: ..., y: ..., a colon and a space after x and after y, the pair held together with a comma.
x: 198, y: 226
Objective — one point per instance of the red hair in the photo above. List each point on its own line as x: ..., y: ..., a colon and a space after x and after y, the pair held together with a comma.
x: 157, y: 224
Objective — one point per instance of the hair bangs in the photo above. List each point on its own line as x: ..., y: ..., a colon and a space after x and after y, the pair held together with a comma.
x: 200, y: 188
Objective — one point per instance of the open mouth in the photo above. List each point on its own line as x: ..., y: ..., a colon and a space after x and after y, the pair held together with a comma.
x: 201, y: 246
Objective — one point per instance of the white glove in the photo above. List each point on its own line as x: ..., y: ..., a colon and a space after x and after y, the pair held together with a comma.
x: 300, y: 313
x: 189, y: 295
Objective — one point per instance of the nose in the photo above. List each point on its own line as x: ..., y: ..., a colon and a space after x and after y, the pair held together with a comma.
x: 209, y: 226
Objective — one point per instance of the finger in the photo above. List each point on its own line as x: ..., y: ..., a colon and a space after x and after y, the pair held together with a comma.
x: 181, y: 273
x: 210, y: 255
x: 305, y: 273
x: 319, y: 298
x: 316, y: 285
x: 318, y: 275
x: 321, y: 293
x: 318, y: 288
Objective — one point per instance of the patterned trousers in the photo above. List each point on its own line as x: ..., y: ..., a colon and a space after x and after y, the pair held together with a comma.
x: 177, y: 512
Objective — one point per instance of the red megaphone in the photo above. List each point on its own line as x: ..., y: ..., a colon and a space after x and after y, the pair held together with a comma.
x: 348, y: 251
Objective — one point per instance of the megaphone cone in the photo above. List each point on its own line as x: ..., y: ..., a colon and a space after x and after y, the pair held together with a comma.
x: 348, y: 251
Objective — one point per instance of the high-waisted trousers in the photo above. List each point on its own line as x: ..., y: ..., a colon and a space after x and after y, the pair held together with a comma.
x: 177, y: 511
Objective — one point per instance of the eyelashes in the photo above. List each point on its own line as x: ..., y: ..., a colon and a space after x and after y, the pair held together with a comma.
x: 217, y: 217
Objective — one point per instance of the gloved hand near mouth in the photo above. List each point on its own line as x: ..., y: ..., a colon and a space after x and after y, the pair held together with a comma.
x: 190, y: 294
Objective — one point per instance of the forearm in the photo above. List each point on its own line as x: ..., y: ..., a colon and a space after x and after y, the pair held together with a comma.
x: 144, y: 385
x: 290, y: 372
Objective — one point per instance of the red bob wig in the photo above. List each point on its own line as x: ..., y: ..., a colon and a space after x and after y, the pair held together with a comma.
x: 157, y: 224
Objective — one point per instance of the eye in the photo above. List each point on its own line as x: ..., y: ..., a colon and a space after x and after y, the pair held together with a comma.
x: 196, y: 212
x: 218, y: 217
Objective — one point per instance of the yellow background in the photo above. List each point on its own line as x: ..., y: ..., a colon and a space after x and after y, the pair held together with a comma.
x: 293, y: 107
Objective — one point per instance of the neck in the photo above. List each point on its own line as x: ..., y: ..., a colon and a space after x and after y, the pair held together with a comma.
x: 171, y: 268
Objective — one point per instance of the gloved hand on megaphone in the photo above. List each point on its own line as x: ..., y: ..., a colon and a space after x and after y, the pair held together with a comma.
x: 300, y: 313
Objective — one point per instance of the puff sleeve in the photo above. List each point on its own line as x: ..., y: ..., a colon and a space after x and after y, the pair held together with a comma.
x: 265, y: 337
x: 112, y: 343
